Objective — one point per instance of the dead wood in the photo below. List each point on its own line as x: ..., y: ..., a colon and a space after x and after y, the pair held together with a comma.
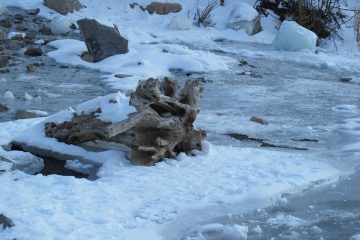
x: 161, y: 128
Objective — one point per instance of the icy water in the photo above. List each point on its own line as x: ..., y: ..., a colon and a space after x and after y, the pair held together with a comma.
x: 306, y: 106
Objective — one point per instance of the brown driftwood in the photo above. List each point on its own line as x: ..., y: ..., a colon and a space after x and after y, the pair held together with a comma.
x: 161, y: 128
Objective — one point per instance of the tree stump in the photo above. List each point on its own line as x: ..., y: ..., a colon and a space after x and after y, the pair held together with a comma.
x: 161, y: 128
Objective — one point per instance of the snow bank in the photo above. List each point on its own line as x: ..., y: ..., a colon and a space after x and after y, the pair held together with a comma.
x: 142, y: 61
x: 180, y: 23
x: 293, y: 37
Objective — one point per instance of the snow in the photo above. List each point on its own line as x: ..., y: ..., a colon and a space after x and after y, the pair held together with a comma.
x: 114, y: 107
x: 293, y: 37
x: 180, y: 23
x: 355, y: 237
x: 60, y: 25
x: 3, y: 9
x: 243, y: 11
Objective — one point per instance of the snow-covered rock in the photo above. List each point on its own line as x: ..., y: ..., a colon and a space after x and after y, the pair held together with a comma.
x: 28, y: 97
x: 60, y: 25
x: 244, y: 16
x: 293, y: 37
x: 180, y: 23
x: 9, y: 95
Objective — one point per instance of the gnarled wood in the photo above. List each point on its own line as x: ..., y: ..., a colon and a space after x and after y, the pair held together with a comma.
x: 161, y: 128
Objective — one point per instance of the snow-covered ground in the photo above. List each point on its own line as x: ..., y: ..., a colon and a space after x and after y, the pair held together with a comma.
x: 133, y: 202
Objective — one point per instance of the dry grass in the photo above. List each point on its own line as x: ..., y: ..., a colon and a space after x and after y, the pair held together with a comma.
x: 203, y: 16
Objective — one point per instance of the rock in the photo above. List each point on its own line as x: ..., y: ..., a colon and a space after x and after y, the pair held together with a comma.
x: 60, y: 25
x: 21, y: 28
x: 4, y: 61
x: 16, y: 44
x: 244, y: 16
x: 102, y: 41
x: 63, y: 6
x: 19, y: 17
x: 259, y: 120
x: 293, y: 37
x: 180, y: 23
x: 87, y: 57
x: 4, y: 70
x: 30, y: 68
x: 34, y: 52
x: 45, y: 30
x: 119, y: 75
x: 6, y: 222
x: 346, y: 78
x: 6, y: 23
x: 34, y: 11
x: 37, y: 20
x: 17, y: 37
x: 26, y: 114
x: 163, y: 8
x: 3, y: 108
x: 30, y: 36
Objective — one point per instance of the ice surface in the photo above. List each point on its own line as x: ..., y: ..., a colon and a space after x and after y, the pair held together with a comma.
x: 293, y: 37
x: 284, y: 219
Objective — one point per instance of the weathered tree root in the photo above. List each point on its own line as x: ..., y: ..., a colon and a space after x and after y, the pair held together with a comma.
x: 161, y: 128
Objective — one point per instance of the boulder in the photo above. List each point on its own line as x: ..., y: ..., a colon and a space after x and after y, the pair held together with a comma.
x: 3, y: 108
x: 4, y: 61
x: 163, y: 8
x: 102, y: 41
x: 63, y: 6
x: 244, y: 16
x: 180, y: 23
x: 45, y: 30
x: 26, y: 114
x: 293, y: 37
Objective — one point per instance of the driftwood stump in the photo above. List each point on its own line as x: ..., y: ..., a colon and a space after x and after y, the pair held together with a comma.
x: 161, y: 128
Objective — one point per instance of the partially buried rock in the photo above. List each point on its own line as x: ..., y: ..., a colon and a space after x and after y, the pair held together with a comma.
x: 17, y: 37
x: 25, y: 114
x: 4, y: 61
x: 102, y: 41
x: 63, y: 6
x: 3, y: 108
x: 259, y: 120
x: 87, y: 57
x: 45, y: 30
x: 163, y: 8
x: 34, y: 52
x: 345, y: 78
x: 120, y: 75
x: 30, y: 37
x: 21, y: 28
x: 34, y: 11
